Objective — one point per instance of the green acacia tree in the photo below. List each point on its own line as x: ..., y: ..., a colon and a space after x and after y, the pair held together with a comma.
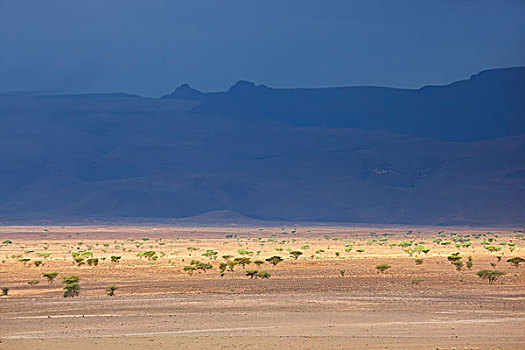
x: 490, y: 275
x: 296, y: 254
x: 274, y: 260
x: 243, y: 261
x: 50, y: 276
x: 252, y: 273
x: 516, y: 261
x: 71, y: 286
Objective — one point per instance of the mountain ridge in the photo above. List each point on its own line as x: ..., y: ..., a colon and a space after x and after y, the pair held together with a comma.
x: 292, y: 157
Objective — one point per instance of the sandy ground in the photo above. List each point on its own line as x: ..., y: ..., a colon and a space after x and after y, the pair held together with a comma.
x: 305, y: 304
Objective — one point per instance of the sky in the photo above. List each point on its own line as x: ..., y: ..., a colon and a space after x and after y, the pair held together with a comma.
x: 151, y: 47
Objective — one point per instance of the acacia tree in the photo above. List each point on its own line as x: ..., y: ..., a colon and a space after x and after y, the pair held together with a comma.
x: 274, y: 260
x: 71, y: 286
x: 252, y: 273
x: 190, y: 269
x: 490, y: 275
x: 50, y: 276
x: 242, y: 261
x: 516, y: 261
x: 258, y: 262
x: 296, y: 253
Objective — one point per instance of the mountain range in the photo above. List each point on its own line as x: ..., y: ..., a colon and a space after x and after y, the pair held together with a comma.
x: 452, y: 154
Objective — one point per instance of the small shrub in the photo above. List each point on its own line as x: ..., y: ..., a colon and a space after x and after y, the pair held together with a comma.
x: 469, y: 262
x: 5, y: 290
x: 490, y: 275
x: 263, y: 274
x: 252, y: 273
x: 418, y: 261
x: 381, y: 268
x: 458, y: 265
x: 111, y: 290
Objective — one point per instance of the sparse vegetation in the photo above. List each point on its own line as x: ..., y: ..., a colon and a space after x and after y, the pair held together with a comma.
x: 111, y: 290
x: 490, y: 275
x: 381, y: 268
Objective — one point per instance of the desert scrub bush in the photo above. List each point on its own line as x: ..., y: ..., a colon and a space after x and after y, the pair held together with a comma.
x: 79, y: 260
x: 33, y: 282
x: 342, y: 273
x: 92, y: 261
x: 37, y: 263
x: 258, y: 262
x: 115, y: 258
x: 516, y: 261
x: 418, y: 261
x: 263, y: 274
x: 252, y: 273
x: 458, y: 265
x: 222, y: 268
x: 296, y: 253
x: 454, y: 257
x: 201, y: 266
x: 71, y: 286
x: 274, y: 260
x: 210, y: 253
x: 360, y: 250
x: 492, y: 248
x: 50, y: 276
x: 5, y: 290
x: 111, y: 290
x: 381, y: 268
x: 190, y: 269
x: 244, y: 252
x: 469, y: 262
x: 490, y: 275
x: 243, y: 261
x: 227, y: 257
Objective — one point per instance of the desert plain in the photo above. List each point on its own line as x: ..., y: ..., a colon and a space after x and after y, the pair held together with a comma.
x: 347, y: 288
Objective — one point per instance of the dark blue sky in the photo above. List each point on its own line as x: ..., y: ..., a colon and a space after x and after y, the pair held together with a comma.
x: 150, y: 47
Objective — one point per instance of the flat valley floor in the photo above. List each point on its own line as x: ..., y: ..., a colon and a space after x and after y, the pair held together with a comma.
x: 331, y: 297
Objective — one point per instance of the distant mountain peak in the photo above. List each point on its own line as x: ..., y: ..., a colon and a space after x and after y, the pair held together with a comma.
x: 184, y: 92
x: 244, y: 86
